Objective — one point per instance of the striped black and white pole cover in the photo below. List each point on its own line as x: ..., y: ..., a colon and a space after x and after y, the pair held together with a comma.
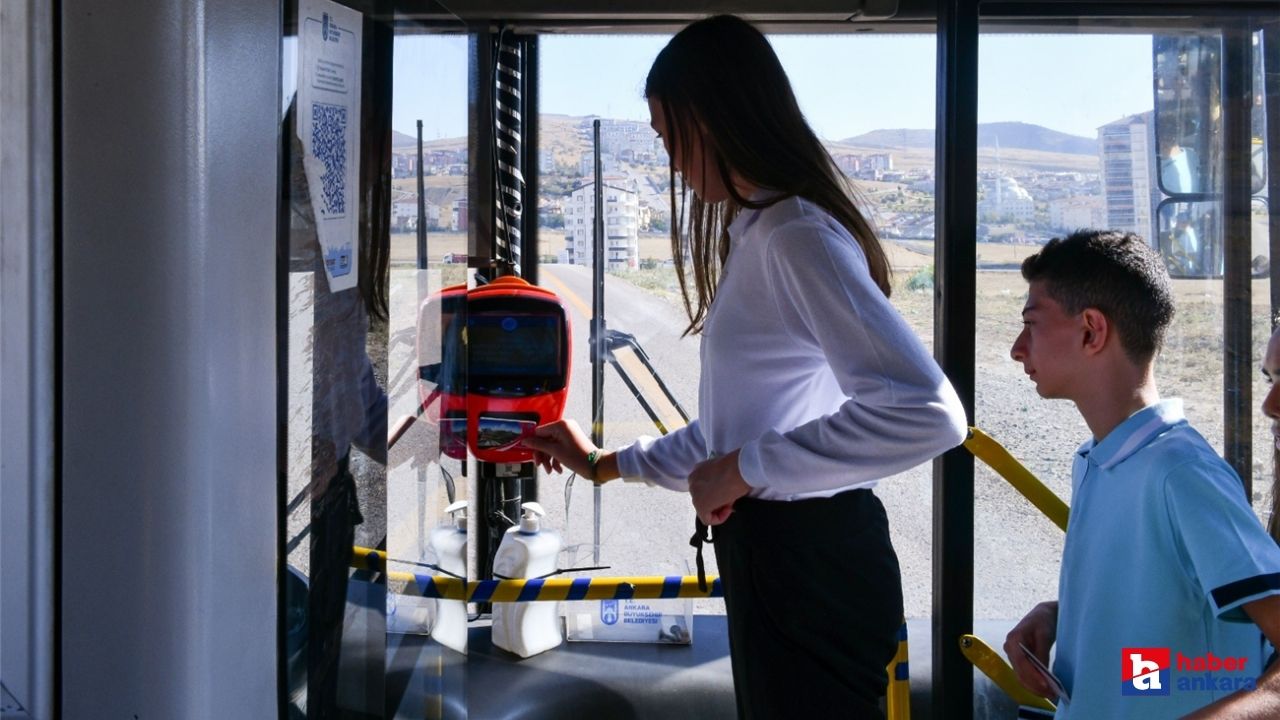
x: 510, y: 182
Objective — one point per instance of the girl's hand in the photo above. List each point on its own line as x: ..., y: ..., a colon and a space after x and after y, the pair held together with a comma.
x: 559, y: 445
x: 714, y: 486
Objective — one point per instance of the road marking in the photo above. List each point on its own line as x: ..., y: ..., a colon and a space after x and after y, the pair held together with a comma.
x: 628, y: 362
x: 569, y: 295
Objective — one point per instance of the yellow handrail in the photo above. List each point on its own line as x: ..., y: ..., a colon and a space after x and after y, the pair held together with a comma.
x: 1001, y: 673
x: 986, y: 449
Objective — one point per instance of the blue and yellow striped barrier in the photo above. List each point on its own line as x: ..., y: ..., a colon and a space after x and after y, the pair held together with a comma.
x: 898, y: 695
x: 363, y: 558
x: 656, y: 587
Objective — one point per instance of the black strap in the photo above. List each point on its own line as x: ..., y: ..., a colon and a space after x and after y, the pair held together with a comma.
x: 701, y: 534
x: 429, y: 566
x: 556, y: 572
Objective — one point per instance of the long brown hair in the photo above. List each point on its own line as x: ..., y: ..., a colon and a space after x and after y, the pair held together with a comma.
x: 721, y: 75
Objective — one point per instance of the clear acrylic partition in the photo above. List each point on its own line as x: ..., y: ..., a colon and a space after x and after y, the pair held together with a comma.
x: 356, y: 295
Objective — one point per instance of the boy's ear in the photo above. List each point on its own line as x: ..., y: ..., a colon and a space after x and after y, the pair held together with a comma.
x: 1097, y: 330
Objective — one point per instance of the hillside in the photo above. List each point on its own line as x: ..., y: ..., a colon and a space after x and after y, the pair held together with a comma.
x: 1023, y: 147
x: 566, y: 136
x: 1006, y: 135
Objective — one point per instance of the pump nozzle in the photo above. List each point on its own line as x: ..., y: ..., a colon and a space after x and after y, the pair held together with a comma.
x: 458, y: 511
x: 531, y: 520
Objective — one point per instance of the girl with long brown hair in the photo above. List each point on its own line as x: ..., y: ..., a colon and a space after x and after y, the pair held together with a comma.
x: 812, y: 388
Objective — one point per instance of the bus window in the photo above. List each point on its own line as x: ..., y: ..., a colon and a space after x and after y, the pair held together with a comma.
x: 1188, y: 134
x: 1188, y: 117
x: 871, y: 124
x: 642, y: 530
x: 1180, y: 227
x: 1072, y: 121
x: 1057, y: 126
x: 1110, y: 130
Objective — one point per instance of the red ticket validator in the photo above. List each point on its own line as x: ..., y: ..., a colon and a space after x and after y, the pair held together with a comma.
x: 503, y: 365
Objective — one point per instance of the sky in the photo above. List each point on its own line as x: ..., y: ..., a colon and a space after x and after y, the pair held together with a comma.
x: 847, y: 85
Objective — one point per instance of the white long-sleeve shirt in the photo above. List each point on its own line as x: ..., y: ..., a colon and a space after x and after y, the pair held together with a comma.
x: 806, y: 368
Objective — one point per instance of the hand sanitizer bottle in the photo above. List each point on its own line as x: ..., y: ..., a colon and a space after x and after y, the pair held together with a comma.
x: 527, y: 551
x: 448, y: 544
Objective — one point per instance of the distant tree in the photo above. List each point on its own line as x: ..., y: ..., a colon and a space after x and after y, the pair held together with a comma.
x: 557, y: 185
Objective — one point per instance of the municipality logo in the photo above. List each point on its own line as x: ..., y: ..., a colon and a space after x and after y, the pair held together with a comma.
x: 1144, y: 671
x: 609, y: 612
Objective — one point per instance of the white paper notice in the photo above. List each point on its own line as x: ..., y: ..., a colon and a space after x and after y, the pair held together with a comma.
x: 329, y: 128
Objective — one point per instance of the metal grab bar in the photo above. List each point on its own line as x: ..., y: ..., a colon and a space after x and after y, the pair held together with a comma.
x: 986, y: 449
x: 983, y: 657
x: 1001, y: 673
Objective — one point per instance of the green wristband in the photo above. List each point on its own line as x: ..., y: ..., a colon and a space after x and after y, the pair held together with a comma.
x: 593, y: 457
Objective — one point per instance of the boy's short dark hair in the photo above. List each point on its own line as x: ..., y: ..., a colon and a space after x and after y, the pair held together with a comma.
x: 1115, y: 272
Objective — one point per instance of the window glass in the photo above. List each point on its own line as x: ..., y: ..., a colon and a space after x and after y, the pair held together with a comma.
x: 875, y: 124
x: 1081, y: 130
x: 1063, y: 127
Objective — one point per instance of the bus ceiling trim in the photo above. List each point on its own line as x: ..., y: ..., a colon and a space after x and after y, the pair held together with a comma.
x: 1131, y: 9
x: 655, y: 12
x: 639, y: 16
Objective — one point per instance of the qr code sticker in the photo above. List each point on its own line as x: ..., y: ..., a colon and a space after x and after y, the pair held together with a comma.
x: 329, y: 145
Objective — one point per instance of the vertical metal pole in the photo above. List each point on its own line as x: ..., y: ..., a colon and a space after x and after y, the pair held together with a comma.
x: 422, y: 207
x: 527, y: 265
x: 480, y: 140
x: 31, y: 355
x: 507, y: 85
x: 1237, y: 363
x: 423, y: 260
x: 1271, y: 83
x: 597, y: 329
x: 954, y: 329
x: 529, y: 162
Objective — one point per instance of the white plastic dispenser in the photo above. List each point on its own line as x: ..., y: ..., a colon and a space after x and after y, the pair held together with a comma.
x: 527, y: 551
x: 448, y: 545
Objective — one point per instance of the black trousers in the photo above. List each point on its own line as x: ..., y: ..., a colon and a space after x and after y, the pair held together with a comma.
x: 814, y: 599
x: 334, y: 515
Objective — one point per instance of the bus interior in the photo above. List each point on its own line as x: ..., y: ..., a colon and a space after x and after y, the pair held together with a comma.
x: 482, y: 175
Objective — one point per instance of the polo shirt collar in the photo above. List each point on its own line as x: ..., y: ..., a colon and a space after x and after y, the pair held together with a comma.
x: 1133, y: 434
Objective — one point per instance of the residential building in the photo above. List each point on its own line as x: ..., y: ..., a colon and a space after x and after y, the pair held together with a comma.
x: 878, y: 161
x: 621, y: 224
x: 1080, y: 211
x: 1126, y: 149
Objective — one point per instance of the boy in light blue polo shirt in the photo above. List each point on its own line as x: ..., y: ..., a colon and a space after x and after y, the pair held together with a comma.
x: 1166, y: 575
